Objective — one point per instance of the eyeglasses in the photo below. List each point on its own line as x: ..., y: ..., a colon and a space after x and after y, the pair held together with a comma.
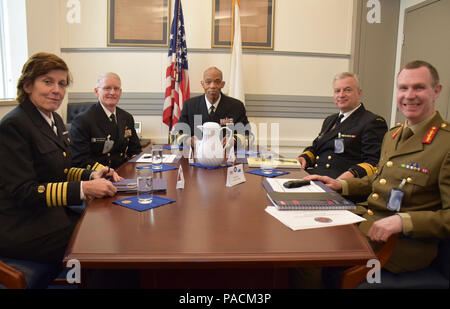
x: 109, y: 89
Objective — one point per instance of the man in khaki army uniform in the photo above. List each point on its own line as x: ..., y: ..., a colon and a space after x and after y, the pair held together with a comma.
x: 415, y: 160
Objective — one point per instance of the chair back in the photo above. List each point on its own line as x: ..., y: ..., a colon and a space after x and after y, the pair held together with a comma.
x: 442, y: 261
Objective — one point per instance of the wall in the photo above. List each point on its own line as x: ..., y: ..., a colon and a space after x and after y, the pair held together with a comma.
x: 306, y: 33
x: 302, y: 28
x: 404, y: 4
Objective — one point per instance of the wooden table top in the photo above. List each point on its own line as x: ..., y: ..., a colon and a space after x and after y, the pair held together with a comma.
x: 209, y: 226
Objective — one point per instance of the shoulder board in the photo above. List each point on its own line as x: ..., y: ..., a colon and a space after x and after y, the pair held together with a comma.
x: 396, y: 129
x: 396, y: 126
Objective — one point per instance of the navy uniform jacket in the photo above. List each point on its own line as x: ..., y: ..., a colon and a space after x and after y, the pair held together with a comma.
x: 423, y: 161
x: 88, y: 134
x: 36, y: 179
x: 229, y: 109
x: 362, y: 133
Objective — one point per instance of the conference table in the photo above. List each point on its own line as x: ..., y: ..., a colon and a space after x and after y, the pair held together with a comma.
x: 211, y: 236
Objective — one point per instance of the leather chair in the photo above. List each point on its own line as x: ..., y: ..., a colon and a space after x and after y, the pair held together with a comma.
x: 435, y: 276
x: 73, y: 109
x: 21, y: 274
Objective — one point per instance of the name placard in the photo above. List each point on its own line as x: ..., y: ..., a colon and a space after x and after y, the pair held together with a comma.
x: 235, y: 175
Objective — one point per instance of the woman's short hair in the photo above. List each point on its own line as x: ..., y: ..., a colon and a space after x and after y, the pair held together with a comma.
x: 38, y: 65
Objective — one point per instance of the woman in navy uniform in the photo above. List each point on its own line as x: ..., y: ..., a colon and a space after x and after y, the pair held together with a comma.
x: 37, y: 182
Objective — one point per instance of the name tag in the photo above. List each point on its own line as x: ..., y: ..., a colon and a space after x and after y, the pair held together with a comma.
x: 98, y: 139
x: 108, y: 146
x: 339, y: 145
x: 395, y: 199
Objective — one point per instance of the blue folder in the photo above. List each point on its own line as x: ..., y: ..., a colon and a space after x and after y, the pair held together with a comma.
x: 132, y: 203
x: 274, y: 173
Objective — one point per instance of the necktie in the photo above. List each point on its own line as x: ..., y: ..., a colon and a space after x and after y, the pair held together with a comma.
x: 407, y: 133
x: 113, y: 119
x: 54, y: 128
x: 211, y: 111
x: 338, y: 121
x: 115, y: 127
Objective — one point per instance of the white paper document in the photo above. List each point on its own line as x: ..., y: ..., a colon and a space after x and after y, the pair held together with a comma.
x: 147, y: 158
x: 277, y: 186
x: 312, y: 219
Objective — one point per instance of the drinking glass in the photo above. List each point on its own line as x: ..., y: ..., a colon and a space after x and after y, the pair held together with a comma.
x: 157, y: 157
x: 144, y: 180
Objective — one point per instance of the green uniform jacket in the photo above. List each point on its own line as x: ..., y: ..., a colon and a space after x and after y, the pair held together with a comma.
x: 427, y: 191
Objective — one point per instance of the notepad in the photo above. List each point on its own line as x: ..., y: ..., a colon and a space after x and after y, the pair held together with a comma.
x: 310, y: 201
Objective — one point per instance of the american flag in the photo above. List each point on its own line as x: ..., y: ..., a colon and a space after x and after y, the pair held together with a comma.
x: 177, y: 78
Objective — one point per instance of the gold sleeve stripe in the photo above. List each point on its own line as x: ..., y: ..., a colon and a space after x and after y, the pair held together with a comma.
x: 78, y: 174
x: 74, y: 174
x: 48, y: 195
x: 54, y: 193
x: 60, y: 184
x: 370, y: 170
x: 70, y: 174
x: 64, y: 194
x: 310, y: 156
x: 97, y: 166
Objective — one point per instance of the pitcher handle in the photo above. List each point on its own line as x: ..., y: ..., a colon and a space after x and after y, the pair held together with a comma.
x: 231, y: 135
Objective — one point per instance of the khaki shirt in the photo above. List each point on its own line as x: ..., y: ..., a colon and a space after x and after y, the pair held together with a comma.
x: 423, y: 161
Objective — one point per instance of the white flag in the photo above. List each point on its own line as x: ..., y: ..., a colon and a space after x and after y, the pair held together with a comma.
x: 236, y: 88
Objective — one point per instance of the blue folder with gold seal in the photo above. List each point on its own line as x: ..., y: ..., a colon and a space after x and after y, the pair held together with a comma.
x: 132, y: 202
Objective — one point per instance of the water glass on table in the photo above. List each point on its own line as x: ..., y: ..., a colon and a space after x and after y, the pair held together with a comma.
x: 267, y: 162
x: 157, y: 157
x: 144, y: 180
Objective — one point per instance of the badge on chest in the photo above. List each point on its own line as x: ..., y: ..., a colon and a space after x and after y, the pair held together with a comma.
x: 396, y: 197
x: 339, y: 144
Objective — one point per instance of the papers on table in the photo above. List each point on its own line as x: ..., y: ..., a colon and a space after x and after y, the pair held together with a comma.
x: 147, y: 158
x: 277, y: 186
x: 311, y: 219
